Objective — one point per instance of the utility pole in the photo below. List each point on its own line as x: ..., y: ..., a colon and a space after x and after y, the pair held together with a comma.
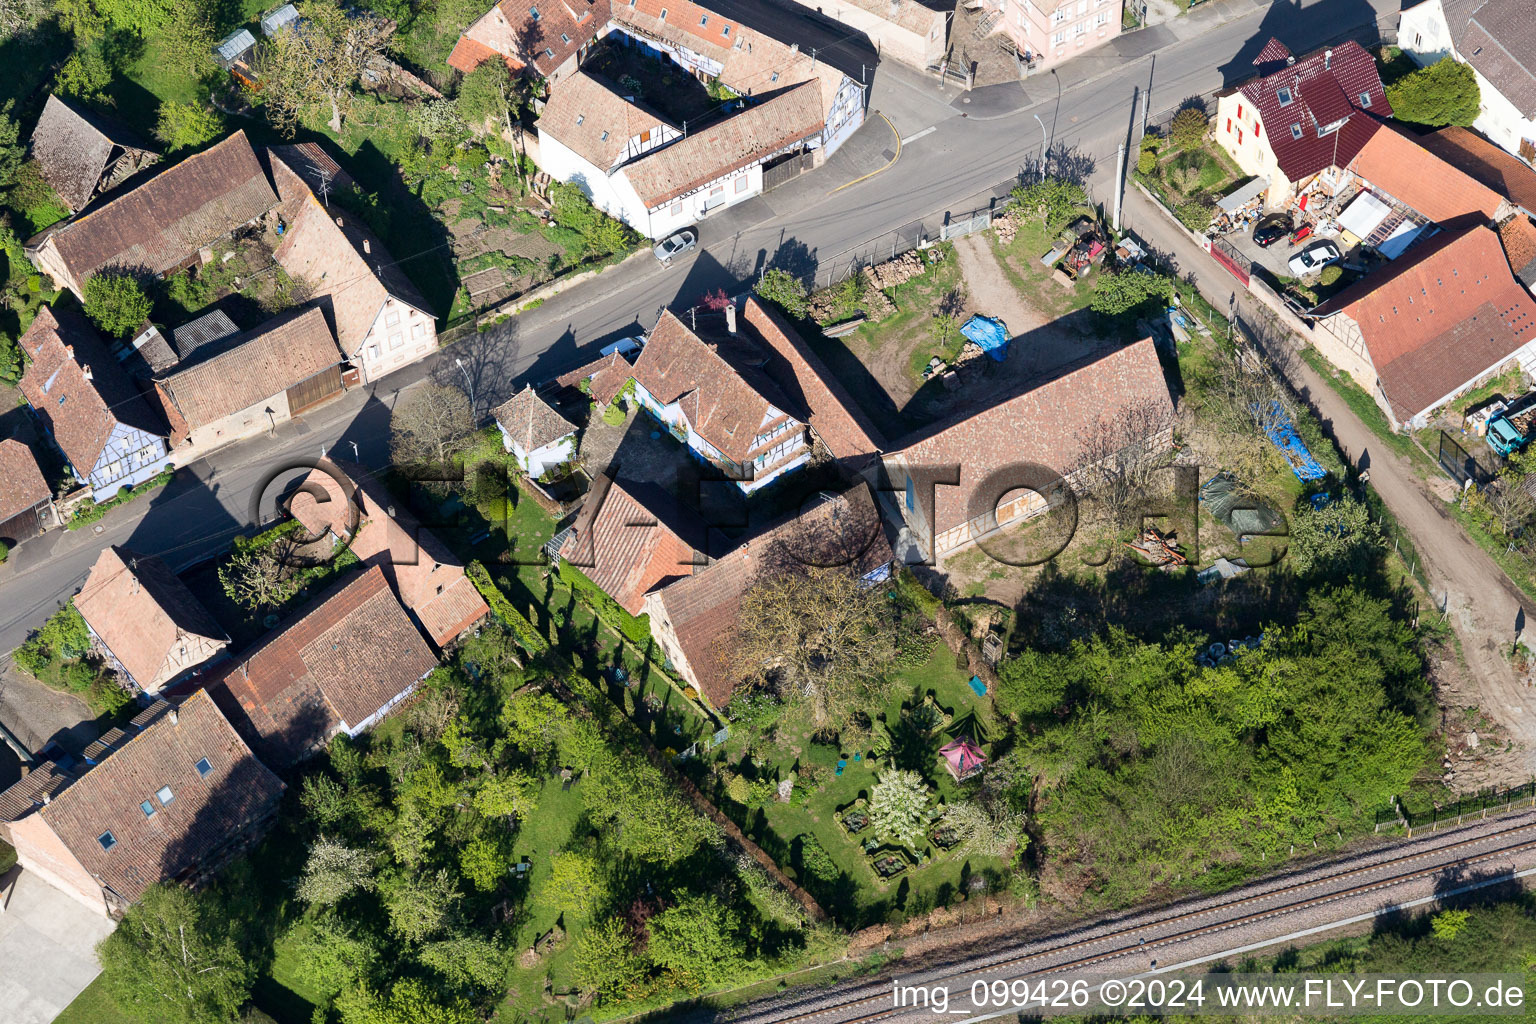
x: 1119, y: 182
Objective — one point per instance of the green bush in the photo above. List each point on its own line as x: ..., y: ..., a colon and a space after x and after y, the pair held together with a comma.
x: 1330, y: 275
x: 62, y: 638
x: 1147, y: 162
x: 785, y: 290
x: 116, y: 301
x: 637, y: 629
x: 1445, y: 93
x: 5, y: 551
x: 1188, y: 127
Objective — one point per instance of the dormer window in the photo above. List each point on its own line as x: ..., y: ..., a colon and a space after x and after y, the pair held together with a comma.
x: 548, y: 52
x: 703, y: 20
x: 1296, y: 132
x: 663, y: 14
x: 565, y: 38
x: 107, y: 840
x: 725, y: 30
x: 1283, y: 94
x: 1365, y: 99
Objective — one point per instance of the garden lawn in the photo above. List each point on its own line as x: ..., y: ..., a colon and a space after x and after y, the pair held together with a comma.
x: 861, y: 897
x: 556, y: 824
x: 94, y: 1005
x: 1020, y: 260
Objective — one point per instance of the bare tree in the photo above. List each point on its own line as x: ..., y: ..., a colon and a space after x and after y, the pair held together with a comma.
x: 431, y: 426
x: 314, y: 65
x: 259, y: 580
x: 1120, y: 457
x: 821, y: 637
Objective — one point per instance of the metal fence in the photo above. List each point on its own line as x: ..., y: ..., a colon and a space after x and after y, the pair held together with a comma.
x: 973, y: 214
x: 1414, y: 816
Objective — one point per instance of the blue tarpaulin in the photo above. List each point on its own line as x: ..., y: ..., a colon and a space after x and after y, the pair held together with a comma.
x: 990, y: 333
x: 1282, y: 434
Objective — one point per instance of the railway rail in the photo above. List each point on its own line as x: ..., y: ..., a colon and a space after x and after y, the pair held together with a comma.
x: 1134, y: 939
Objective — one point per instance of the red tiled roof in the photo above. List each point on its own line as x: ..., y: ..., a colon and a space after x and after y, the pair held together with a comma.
x: 80, y: 414
x: 469, y: 53
x: 1438, y: 317
x: 1122, y: 392
x: 543, y: 33
x: 1471, y: 154
x: 203, y: 817
x: 351, y: 653
x: 1518, y: 236
x: 800, y: 373
x: 1325, y: 86
x: 144, y: 614
x: 531, y: 421
x: 1398, y: 165
x: 427, y: 577
x: 753, y: 134
x: 728, y: 402
x: 24, y: 484
x: 593, y: 121
x: 631, y: 537
x: 703, y: 608
x: 285, y: 351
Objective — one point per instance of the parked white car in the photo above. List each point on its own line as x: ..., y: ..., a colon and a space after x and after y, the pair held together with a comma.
x: 675, y: 244
x: 1314, y: 258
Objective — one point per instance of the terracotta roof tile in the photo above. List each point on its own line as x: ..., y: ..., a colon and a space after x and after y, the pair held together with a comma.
x: 285, y: 351
x: 543, y: 33
x: 727, y: 400
x: 144, y: 614
x: 703, y: 608
x: 426, y: 576
x: 1518, y: 236
x: 1324, y: 86
x: 204, y: 816
x: 847, y: 433
x: 24, y: 484
x: 80, y: 414
x: 1123, y: 391
x: 725, y: 147
x: 631, y: 537
x: 530, y: 421
x: 1441, y: 315
x: 46, y: 781
x: 167, y: 219
x: 589, y: 118
x: 352, y: 652
x: 1471, y: 154
x: 469, y: 53
x: 1398, y: 165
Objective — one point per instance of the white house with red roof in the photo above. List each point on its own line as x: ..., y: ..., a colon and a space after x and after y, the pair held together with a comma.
x: 1301, y: 116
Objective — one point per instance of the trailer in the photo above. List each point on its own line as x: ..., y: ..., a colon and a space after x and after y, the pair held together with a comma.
x: 1511, y: 429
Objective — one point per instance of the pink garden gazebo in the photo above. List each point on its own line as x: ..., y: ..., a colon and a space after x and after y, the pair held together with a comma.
x: 963, y: 758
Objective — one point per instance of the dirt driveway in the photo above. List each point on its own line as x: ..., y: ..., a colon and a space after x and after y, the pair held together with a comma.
x: 1483, y: 605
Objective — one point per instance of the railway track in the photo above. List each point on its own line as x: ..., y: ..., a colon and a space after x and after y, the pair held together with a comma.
x: 1133, y: 939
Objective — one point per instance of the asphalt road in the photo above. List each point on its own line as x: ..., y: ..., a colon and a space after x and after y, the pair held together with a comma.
x: 1298, y: 907
x: 958, y: 146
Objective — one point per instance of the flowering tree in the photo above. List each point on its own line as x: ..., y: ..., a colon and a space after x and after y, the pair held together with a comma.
x: 898, y: 807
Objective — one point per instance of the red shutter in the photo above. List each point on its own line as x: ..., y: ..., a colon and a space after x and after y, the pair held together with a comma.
x: 1239, y: 111
x: 1239, y: 136
x: 1258, y: 129
x: 1229, y: 126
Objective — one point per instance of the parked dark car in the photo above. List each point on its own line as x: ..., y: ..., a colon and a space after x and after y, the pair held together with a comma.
x: 1271, y: 229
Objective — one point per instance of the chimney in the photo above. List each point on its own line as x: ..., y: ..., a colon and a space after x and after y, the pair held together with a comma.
x: 47, y: 799
x: 69, y: 350
x: 86, y: 372
x: 794, y: 47
x: 173, y: 715
x: 1327, y: 59
x: 366, y: 247
x: 338, y: 222
x: 730, y: 318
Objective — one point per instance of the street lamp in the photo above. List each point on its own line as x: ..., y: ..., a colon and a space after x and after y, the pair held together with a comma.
x: 1044, y: 145
x: 460, y: 364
